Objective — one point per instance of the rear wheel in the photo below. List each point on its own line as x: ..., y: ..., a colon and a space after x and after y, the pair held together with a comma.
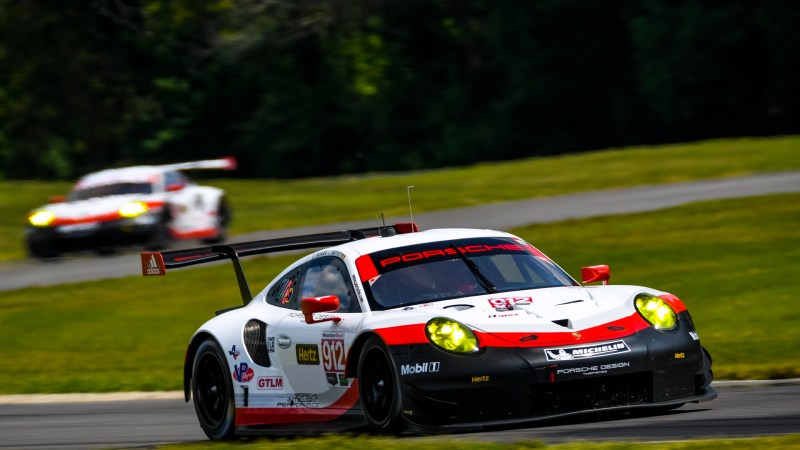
x: 212, y: 390
x: 223, y: 219
x: 379, y: 387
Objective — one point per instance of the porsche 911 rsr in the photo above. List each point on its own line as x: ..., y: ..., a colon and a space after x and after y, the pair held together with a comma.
x: 148, y: 205
x: 396, y: 329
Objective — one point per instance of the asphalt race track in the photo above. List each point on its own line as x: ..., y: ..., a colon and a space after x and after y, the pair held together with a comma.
x: 17, y: 275
x: 744, y: 411
x: 740, y: 411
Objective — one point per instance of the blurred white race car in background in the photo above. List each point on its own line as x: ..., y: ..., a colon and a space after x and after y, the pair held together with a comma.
x: 141, y: 205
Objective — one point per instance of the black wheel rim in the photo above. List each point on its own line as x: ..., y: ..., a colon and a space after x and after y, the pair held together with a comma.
x: 210, y: 390
x: 377, y: 386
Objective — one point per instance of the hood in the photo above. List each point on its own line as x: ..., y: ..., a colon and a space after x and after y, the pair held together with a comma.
x: 565, y: 311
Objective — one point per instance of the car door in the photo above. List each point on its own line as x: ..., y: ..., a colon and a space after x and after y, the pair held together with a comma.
x: 313, y: 356
x: 190, y: 206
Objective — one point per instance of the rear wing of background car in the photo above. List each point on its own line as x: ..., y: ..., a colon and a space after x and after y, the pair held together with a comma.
x: 157, y: 263
x: 227, y: 163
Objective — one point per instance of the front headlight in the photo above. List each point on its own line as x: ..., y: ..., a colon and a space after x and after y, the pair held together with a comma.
x: 133, y: 209
x: 656, y: 311
x: 451, y: 336
x: 42, y: 218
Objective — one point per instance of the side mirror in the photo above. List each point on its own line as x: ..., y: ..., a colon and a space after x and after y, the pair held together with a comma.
x: 596, y: 273
x: 58, y: 199
x: 311, y: 305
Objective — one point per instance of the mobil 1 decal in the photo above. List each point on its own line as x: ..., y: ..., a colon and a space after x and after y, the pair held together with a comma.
x: 334, y: 358
x: 586, y: 351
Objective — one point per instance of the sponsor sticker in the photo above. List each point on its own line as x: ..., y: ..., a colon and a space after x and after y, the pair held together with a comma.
x: 480, y: 379
x: 307, y: 354
x: 300, y: 401
x: 270, y: 383
x: 694, y: 335
x: 242, y: 373
x: 233, y: 352
x: 426, y: 367
x: 586, y: 351
x: 593, y: 370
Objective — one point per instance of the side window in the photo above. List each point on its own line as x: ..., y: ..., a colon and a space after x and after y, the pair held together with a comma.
x: 328, y: 276
x: 284, y: 293
x: 174, y: 181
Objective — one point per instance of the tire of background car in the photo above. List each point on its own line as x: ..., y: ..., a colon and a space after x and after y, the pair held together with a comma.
x: 42, y: 250
x: 212, y: 390
x: 379, y: 387
x: 223, y: 219
x: 161, y: 237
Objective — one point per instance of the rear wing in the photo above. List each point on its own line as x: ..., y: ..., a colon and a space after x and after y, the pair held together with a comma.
x: 157, y: 263
x: 227, y: 163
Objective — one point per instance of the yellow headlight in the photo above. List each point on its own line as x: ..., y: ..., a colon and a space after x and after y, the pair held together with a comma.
x: 42, y: 218
x: 656, y: 311
x: 133, y: 209
x: 451, y: 336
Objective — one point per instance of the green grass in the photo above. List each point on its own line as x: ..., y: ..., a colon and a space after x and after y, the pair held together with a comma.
x: 271, y: 204
x: 347, y: 442
x: 733, y: 262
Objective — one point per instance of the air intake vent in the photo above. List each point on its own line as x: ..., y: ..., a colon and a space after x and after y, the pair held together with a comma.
x: 563, y: 322
x: 255, y: 339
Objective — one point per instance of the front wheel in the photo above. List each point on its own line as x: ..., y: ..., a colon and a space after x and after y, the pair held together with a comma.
x: 379, y: 388
x: 212, y: 390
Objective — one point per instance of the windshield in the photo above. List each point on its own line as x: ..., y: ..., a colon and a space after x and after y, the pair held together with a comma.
x: 106, y: 190
x: 441, y: 270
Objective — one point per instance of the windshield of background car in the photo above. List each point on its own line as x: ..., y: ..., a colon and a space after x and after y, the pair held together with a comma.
x: 437, y: 271
x: 105, y: 190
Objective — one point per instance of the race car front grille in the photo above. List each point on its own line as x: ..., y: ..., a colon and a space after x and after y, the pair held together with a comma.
x: 591, y: 394
x: 255, y: 339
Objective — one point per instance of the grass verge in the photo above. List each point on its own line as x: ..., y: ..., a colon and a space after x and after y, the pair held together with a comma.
x: 273, y: 204
x: 731, y: 261
x: 788, y: 442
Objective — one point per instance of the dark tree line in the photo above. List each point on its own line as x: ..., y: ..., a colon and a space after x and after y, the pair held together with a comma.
x: 319, y: 87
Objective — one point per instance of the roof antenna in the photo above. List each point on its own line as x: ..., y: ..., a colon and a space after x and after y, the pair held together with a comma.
x: 410, y: 213
x: 386, y: 231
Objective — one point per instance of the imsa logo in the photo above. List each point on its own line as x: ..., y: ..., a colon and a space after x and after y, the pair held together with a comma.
x: 426, y: 367
x: 586, y: 351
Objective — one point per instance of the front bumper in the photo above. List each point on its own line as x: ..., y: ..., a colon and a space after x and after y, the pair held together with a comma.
x: 93, y: 235
x: 501, y: 386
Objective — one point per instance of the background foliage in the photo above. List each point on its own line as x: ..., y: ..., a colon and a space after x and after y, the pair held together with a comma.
x: 320, y: 87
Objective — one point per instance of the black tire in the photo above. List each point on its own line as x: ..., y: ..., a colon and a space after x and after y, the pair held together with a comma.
x: 161, y: 237
x: 42, y: 250
x: 223, y: 220
x: 379, y: 388
x: 212, y: 390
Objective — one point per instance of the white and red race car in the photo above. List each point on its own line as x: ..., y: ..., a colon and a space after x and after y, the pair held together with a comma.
x: 149, y: 205
x: 396, y: 329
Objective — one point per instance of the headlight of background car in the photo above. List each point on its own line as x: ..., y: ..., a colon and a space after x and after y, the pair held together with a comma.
x: 656, y: 311
x: 42, y: 218
x: 133, y: 209
x: 451, y: 336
